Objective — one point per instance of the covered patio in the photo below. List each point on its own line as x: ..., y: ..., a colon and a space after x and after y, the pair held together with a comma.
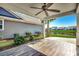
x: 51, y: 46
x: 37, y: 11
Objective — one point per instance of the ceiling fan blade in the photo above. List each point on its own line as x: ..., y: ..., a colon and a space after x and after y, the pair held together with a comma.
x: 53, y: 10
x: 35, y: 7
x: 48, y: 5
x: 46, y: 13
x: 39, y: 12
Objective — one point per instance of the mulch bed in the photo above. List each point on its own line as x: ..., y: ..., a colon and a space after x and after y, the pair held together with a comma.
x: 6, y: 39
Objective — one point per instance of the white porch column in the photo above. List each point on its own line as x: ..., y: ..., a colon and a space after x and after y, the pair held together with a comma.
x: 77, y: 40
x: 77, y: 35
x: 44, y: 29
x: 47, y: 27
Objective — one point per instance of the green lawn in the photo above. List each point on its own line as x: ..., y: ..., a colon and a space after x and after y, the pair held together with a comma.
x: 68, y: 32
x: 5, y: 43
x: 63, y: 33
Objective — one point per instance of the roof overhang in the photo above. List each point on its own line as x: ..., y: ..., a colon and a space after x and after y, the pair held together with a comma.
x: 18, y: 20
x: 60, y: 15
x: 65, y: 8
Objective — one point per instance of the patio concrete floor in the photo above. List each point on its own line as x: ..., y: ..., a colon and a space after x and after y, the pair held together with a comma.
x: 52, y: 46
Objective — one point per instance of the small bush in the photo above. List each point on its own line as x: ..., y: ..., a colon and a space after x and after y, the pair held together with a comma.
x: 28, y: 34
x: 38, y: 37
x: 16, y: 35
x: 31, y: 38
x: 18, y: 39
x: 37, y: 33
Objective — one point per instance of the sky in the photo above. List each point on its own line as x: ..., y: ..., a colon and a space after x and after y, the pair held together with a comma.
x: 64, y: 21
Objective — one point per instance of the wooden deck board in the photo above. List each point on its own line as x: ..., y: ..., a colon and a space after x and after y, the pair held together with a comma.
x: 56, y: 47
x: 22, y: 50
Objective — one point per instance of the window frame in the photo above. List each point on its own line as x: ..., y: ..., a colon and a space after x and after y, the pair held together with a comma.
x: 2, y: 20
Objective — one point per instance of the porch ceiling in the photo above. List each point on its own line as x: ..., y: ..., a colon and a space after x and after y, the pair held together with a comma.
x: 25, y: 8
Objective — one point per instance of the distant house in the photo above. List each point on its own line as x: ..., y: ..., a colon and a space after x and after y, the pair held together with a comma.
x: 54, y: 28
x: 72, y: 27
x: 11, y: 23
x: 64, y: 28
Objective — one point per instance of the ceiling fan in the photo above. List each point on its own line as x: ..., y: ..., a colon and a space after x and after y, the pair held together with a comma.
x: 45, y: 9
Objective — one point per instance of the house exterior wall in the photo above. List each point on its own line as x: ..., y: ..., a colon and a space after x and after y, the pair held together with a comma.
x: 11, y: 28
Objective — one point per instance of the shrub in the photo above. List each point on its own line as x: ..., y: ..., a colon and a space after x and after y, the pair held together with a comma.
x: 38, y: 37
x: 37, y: 33
x: 31, y: 38
x: 35, y: 36
x: 18, y: 39
x: 16, y: 35
x: 28, y: 34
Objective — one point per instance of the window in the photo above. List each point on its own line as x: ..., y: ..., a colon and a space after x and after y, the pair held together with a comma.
x: 1, y: 24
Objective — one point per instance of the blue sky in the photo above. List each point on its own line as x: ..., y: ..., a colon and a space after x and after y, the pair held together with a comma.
x: 69, y: 20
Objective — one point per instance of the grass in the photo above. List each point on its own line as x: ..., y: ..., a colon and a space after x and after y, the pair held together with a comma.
x: 63, y: 33
x: 66, y: 31
x: 4, y: 43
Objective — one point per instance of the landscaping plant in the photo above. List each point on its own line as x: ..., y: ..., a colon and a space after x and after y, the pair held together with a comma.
x: 18, y: 39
